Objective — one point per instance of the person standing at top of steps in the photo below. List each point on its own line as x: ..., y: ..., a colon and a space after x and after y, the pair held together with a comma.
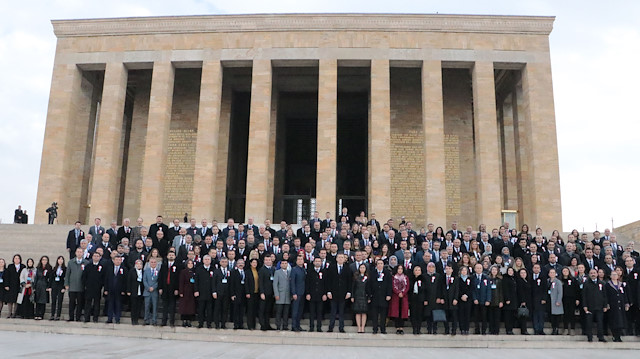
x: 73, y: 238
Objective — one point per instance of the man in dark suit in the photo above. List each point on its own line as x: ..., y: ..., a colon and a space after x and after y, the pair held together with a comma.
x: 444, y: 261
x: 374, y: 222
x: 316, y: 293
x: 154, y: 228
x: 203, y: 291
x: 481, y: 297
x: 93, y: 280
x: 204, y: 229
x: 126, y: 230
x: 97, y: 230
x: 380, y: 287
x: 106, y: 246
x: 594, y: 304
x: 326, y: 222
x: 539, y: 299
x: 339, y: 290
x: 73, y: 239
x: 114, y: 288
x: 265, y: 288
x: 238, y: 293
x: 221, y: 293
x: 113, y: 234
x: 455, y: 233
x: 168, y: 283
x: 297, y: 286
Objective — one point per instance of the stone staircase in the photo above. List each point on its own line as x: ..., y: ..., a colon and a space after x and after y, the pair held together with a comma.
x: 34, y: 241
x: 350, y: 339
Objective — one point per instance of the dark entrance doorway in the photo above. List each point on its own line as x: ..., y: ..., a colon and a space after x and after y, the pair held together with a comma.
x: 353, y: 135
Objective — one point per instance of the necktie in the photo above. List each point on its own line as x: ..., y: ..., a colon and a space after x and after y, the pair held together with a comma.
x: 115, y: 271
x: 339, y: 269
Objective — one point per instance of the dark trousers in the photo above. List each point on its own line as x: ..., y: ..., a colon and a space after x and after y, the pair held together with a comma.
x: 40, y: 309
x: 494, y: 319
x: 221, y: 310
x: 56, y: 300
x: 417, y: 312
x: 537, y: 318
x: 598, y: 316
x: 379, y: 317
x: 238, y: 306
x: 452, y: 317
x: 169, y: 309
x: 569, y: 316
x: 337, y: 307
x: 464, y: 315
x: 114, y: 306
x: 297, y: 308
x: 137, y: 303
x: 555, y: 321
x: 252, y: 309
x: 264, y: 311
x: 480, y: 311
x: 282, y: 316
x: 76, y: 303
x: 509, y: 315
x: 91, y: 305
x: 315, y: 313
x: 633, y: 324
x: 205, y: 310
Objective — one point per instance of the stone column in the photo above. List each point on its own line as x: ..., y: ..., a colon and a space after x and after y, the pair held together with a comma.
x: 540, y: 124
x: 433, y: 121
x: 204, y: 182
x: 155, y: 153
x: 487, y: 145
x: 327, y: 135
x: 380, y: 141
x: 522, y: 145
x: 104, y: 193
x: 510, y: 184
x: 259, y: 139
x: 63, y: 101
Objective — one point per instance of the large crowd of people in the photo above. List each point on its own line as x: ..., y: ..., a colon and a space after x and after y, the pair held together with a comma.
x: 336, y: 270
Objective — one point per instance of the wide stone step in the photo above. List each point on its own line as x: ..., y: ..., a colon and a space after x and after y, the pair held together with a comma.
x: 316, y: 339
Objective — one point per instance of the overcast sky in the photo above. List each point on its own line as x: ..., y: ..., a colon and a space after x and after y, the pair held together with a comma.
x: 595, y: 52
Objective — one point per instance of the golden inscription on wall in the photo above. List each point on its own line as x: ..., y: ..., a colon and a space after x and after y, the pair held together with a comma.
x: 452, y: 173
x: 180, y: 165
x: 407, y: 181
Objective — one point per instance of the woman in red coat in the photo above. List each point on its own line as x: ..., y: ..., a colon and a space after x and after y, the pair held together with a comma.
x: 187, y: 303
x: 399, y: 304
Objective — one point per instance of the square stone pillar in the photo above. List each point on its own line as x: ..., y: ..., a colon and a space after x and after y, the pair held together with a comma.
x: 104, y: 193
x: 487, y: 145
x: 380, y: 141
x: 155, y: 153
x: 433, y: 121
x: 258, y: 158
x: 540, y: 125
x: 204, y: 182
x: 64, y: 96
x: 327, y: 135
x: 509, y: 173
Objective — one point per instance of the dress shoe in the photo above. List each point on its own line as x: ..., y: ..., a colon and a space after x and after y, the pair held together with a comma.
x: 310, y: 330
x: 109, y: 322
x: 383, y: 332
x: 330, y: 330
x: 602, y: 340
x: 319, y: 330
x: 342, y: 331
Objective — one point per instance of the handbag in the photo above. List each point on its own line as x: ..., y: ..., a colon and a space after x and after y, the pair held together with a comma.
x: 523, y: 312
x: 439, y: 315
